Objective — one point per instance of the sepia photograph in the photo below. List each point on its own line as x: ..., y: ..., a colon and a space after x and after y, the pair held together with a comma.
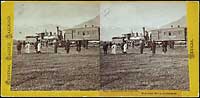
x: 100, y: 46
x: 100, y: 49
x: 56, y: 46
x: 144, y: 46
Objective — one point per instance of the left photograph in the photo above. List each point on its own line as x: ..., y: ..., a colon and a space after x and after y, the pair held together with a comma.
x: 56, y: 46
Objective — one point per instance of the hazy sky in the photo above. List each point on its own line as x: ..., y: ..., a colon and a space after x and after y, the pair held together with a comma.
x: 115, y: 18
x: 118, y: 18
x: 65, y: 14
x: 35, y: 17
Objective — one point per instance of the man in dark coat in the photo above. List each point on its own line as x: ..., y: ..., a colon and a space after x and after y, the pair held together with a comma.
x: 24, y: 43
x: 47, y: 43
x: 35, y: 45
x: 164, y: 46
x: 110, y: 44
x: 153, y: 47
x: 105, y: 47
x: 141, y: 46
x: 171, y: 44
x: 56, y: 46
x: 78, y: 44
x: 86, y: 44
x: 122, y: 47
x: 19, y: 47
x: 67, y: 46
x: 133, y: 44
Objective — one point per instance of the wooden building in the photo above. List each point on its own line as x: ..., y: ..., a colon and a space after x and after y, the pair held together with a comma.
x: 169, y: 34
x: 85, y: 33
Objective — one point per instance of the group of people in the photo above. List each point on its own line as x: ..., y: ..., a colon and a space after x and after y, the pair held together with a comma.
x: 78, y: 46
x: 113, y: 46
x: 38, y: 46
x: 67, y: 45
x: 27, y: 46
x: 124, y: 47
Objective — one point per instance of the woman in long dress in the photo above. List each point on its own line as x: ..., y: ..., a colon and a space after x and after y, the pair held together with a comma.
x: 114, y: 48
x: 27, y: 46
x: 39, y: 47
x: 125, y: 48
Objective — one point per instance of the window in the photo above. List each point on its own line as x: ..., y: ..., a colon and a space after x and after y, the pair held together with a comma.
x: 170, y: 34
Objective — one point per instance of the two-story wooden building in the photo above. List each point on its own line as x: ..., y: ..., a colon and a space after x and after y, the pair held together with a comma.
x: 86, y: 33
x: 169, y: 34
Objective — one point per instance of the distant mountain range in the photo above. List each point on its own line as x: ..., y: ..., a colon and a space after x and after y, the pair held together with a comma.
x: 181, y: 22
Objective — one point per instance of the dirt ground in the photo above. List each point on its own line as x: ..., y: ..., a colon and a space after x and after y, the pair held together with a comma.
x: 61, y: 71
x: 92, y: 70
x: 134, y: 71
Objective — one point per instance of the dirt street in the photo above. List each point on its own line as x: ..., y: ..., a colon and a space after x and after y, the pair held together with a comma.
x: 61, y: 71
x: 92, y: 70
x: 135, y: 71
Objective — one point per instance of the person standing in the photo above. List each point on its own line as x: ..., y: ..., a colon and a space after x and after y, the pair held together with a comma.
x: 27, y: 46
x: 133, y: 44
x: 172, y: 44
x: 79, y: 45
x: 114, y: 48
x: 67, y: 46
x: 153, y: 47
x: 164, y: 46
x: 39, y: 47
x: 110, y: 44
x: 55, y: 46
x: 86, y: 44
x: 24, y: 44
x: 47, y: 43
x: 19, y: 47
x: 141, y: 46
x: 125, y: 48
x: 105, y: 47
x: 122, y: 47
x: 36, y: 45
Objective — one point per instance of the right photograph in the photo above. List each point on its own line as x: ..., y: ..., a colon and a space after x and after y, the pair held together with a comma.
x: 143, y: 46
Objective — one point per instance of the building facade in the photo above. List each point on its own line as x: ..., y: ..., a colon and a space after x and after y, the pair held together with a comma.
x: 85, y: 33
x: 169, y: 34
